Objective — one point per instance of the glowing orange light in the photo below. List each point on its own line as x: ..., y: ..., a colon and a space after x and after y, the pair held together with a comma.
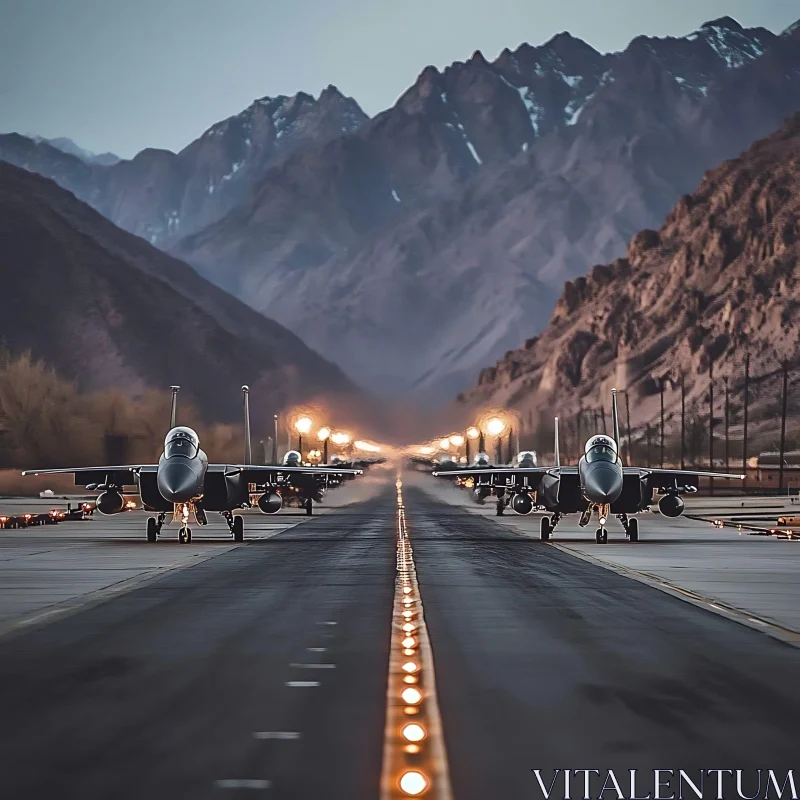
x: 410, y: 679
x: 413, y: 783
x: 412, y: 696
x: 304, y: 425
x: 413, y: 732
x: 410, y: 667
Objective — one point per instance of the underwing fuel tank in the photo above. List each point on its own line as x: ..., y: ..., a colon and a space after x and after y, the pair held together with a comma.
x: 670, y: 505
x: 110, y: 502
x: 270, y: 503
x: 522, y: 503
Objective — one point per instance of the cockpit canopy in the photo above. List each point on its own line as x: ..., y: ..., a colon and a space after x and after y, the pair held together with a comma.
x: 527, y: 457
x: 601, y: 448
x: 482, y: 460
x: 292, y: 459
x: 181, y: 442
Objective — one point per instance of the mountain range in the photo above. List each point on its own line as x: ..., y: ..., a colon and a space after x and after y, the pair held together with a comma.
x: 718, y: 280
x: 419, y: 245
x: 66, y: 145
x: 108, y: 309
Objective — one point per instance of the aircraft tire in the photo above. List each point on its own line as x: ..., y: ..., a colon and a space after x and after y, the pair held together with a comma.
x: 601, y: 536
x: 152, y: 529
x: 545, y: 529
x: 309, y: 507
x: 633, y: 530
x: 184, y: 536
x: 238, y: 529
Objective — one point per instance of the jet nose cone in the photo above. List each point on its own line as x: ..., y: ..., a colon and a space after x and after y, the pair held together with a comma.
x: 603, y: 483
x: 177, y: 481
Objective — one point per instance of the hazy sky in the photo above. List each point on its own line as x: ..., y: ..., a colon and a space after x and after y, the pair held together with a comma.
x: 121, y: 75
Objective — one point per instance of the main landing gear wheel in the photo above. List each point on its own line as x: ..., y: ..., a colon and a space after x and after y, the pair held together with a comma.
x: 633, y: 530
x: 545, y: 530
x: 238, y: 529
x: 601, y: 536
x: 309, y: 507
x: 501, y: 506
x: 152, y: 529
x: 185, y: 536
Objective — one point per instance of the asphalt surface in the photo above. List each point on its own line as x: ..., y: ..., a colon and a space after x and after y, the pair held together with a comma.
x: 545, y: 661
x: 176, y: 689
x: 180, y: 687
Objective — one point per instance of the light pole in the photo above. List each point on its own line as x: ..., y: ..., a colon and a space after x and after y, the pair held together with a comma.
x: 323, y: 434
x: 472, y: 433
x: 495, y: 427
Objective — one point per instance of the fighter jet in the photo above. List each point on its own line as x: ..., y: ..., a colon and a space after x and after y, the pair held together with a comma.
x: 184, y: 484
x: 598, y: 484
x: 306, y: 488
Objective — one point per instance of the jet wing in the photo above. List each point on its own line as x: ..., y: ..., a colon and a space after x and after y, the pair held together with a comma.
x: 476, y: 471
x: 657, y: 478
x: 253, y: 472
x: 118, y: 475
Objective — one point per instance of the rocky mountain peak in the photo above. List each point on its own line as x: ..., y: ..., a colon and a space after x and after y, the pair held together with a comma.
x: 717, y: 279
x: 727, y: 23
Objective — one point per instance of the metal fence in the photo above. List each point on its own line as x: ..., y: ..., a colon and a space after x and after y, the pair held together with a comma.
x: 735, y: 422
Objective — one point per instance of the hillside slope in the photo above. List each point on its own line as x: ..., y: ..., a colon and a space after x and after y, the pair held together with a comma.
x: 106, y: 308
x: 719, y: 279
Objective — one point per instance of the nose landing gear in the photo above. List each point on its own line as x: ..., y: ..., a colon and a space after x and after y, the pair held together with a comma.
x: 601, y: 534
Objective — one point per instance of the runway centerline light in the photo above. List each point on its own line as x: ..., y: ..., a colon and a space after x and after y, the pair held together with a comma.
x: 413, y: 732
x: 409, y: 641
x: 406, y: 590
x: 410, y: 667
x: 409, y: 652
x: 410, y: 679
x: 413, y: 783
x: 411, y: 696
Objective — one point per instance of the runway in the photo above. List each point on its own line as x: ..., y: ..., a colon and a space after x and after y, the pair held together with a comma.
x: 262, y: 669
x: 182, y: 688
